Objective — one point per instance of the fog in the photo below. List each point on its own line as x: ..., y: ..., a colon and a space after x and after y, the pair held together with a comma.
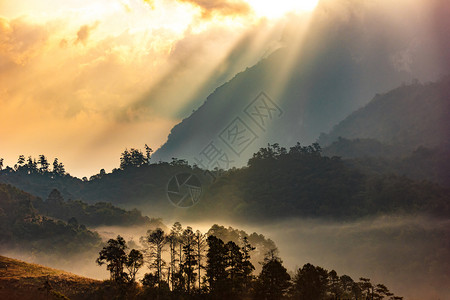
x: 409, y: 254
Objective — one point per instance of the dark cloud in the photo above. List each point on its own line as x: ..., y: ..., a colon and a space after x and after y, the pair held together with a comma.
x: 220, y: 7
x: 84, y: 32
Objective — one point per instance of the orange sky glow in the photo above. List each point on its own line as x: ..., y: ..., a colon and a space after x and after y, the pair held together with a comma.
x: 71, y: 71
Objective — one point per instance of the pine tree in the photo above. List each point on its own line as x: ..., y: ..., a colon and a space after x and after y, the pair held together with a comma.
x: 216, y: 273
x: 273, y: 281
x: 154, y: 243
x: 190, y: 259
x: 200, y: 246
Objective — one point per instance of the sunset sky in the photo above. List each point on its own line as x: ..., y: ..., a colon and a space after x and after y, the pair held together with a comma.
x: 82, y: 80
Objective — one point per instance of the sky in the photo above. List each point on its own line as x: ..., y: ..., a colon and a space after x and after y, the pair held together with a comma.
x: 82, y: 80
x: 71, y: 71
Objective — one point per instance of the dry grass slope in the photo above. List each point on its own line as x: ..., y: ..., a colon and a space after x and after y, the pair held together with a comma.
x: 21, y: 280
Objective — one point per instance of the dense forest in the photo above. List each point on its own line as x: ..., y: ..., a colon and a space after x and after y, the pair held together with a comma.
x: 135, y: 183
x: 25, y: 230
x: 280, y: 183
x: 277, y: 183
x: 101, y: 213
x: 203, y: 266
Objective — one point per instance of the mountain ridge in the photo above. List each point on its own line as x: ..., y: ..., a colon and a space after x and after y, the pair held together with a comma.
x: 407, y: 117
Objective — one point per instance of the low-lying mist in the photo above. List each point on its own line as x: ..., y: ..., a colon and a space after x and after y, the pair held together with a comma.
x: 409, y: 254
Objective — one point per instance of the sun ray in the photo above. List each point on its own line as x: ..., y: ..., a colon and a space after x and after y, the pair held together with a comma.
x: 276, y: 9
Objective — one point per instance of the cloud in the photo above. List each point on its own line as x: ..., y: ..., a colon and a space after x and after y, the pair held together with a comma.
x: 20, y: 41
x: 151, y: 3
x: 220, y: 7
x: 84, y: 32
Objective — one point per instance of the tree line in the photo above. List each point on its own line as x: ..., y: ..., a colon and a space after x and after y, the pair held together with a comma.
x: 183, y: 264
x: 41, y: 165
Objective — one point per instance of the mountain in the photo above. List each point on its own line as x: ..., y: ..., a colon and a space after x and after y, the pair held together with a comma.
x: 305, y: 88
x: 27, y: 281
x: 373, y: 157
x: 360, y: 147
x: 404, y: 118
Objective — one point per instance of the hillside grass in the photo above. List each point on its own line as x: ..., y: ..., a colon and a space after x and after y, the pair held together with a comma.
x: 21, y: 280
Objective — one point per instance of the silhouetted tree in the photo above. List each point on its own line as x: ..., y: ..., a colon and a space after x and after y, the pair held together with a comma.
x: 176, y: 248
x: 172, y: 240
x: 200, y: 246
x: 349, y: 287
x: 148, y: 153
x: 58, y: 168
x: 43, y: 162
x: 190, y: 259
x: 216, y: 273
x: 134, y: 262
x: 115, y: 258
x: 235, y: 269
x: 366, y: 287
x: 247, y: 266
x: 154, y: 243
x: 273, y: 281
x: 381, y: 291
x: 134, y: 158
x: 31, y: 165
x: 311, y: 282
x: 179, y: 162
x: 20, y: 162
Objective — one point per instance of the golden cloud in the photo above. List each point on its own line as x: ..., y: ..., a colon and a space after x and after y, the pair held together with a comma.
x: 20, y: 41
x: 220, y: 7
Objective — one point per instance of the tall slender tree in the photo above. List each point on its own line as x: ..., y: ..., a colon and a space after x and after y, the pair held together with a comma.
x: 148, y: 153
x: 200, y: 246
x: 216, y: 272
x: 190, y: 258
x: 154, y: 243
x: 247, y: 266
x: 235, y: 268
x: 172, y: 240
x: 134, y: 262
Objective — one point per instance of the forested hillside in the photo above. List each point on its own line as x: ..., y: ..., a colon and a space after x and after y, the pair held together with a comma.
x: 23, y: 229
x: 375, y: 158
x: 101, y: 213
x: 406, y: 118
x: 280, y: 183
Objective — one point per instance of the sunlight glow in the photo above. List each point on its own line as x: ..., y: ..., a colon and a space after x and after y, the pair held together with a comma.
x: 275, y: 9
